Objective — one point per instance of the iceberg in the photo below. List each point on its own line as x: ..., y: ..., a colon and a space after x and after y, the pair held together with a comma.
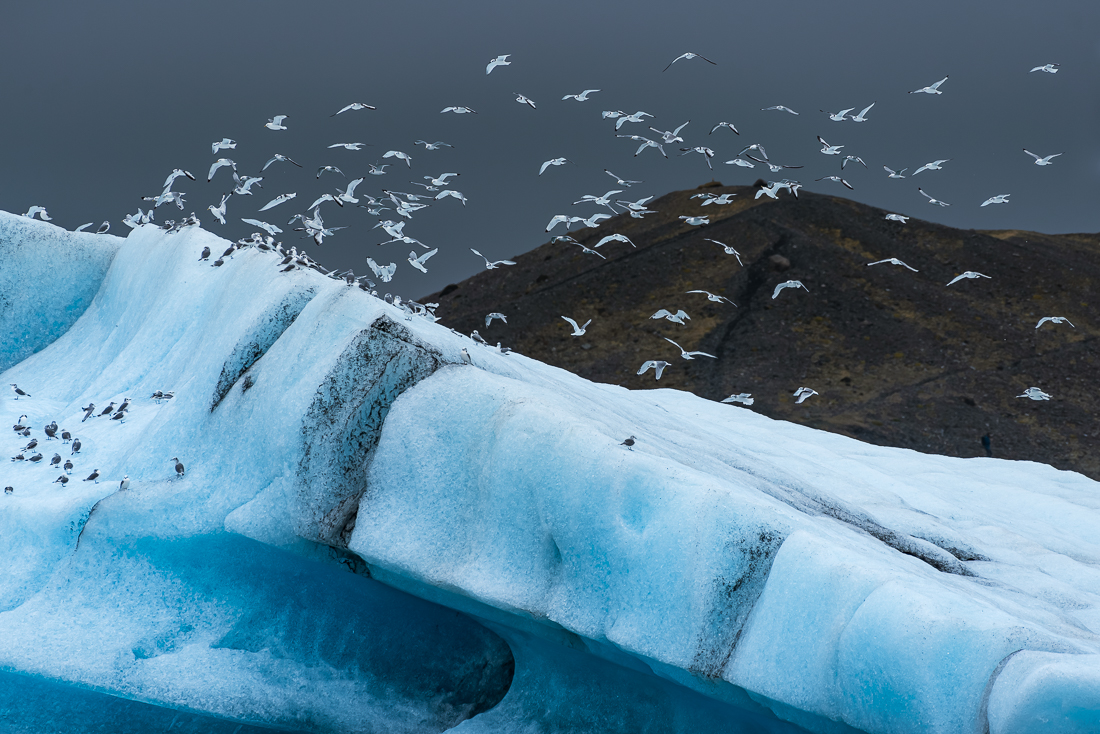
x: 373, y: 535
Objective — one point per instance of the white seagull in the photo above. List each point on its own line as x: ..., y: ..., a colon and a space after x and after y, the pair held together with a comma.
x: 892, y: 261
x: 998, y: 199
x: 781, y: 108
x: 745, y: 398
x: 604, y: 200
x: 491, y: 264
x: 495, y: 315
x: 400, y: 156
x: 1035, y: 394
x: 788, y: 284
x: 271, y: 229
x: 223, y: 144
x: 658, y: 366
x: 931, y: 89
x: 176, y: 173
x: 1042, y: 161
x: 280, y: 199
x: 724, y: 124
x: 688, y: 56
x: 577, y: 330
x: 554, y: 162
x: 1054, y: 320
x: 276, y: 123
x: 804, y: 392
x: 615, y: 238
x: 418, y: 262
x: 829, y: 149
x: 696, y: 221
x: 838, y: 116
x: 1048, y: 68
x: 862, y: 116
x: 707, y: 153
x: 686, y: 354
x: 714, y: 297
x: 636, y: 117
x: 453, y: 194
x: 676, y: 318
x: 432, y: 146
x: 621, y: 181
x: 968, y: 274
x: 383, y: 273
x: 741, y: 162
x: 853, y: 159
x: 897, y: 218
x: 670, y: 137
x: 458, y: 110
x: 348, y: 194
x: 323, y: 169
x: 353, y: 106
x: 498, y: 61
x: 838, y: 179
x: 349, y: 146
x: 279, y: 157
x: 932, y: 200
x: 40, y: 211
x: 219, y: 210
x: 582, y: 97
x: 522, y: 99
x: 220, y: 163
x: 729, y: 250
x: 933, y: 166
x: 893, y: 173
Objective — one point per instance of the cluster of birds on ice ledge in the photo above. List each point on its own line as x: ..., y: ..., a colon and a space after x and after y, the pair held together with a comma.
x: 404, y: 205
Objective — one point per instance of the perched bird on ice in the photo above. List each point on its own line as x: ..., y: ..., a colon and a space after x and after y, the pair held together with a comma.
x: 498, y: 61
x: 19, y: 393
x: 63, y: 480
x: 686, y: 354
x: 125, y: 483
x: 179, y: 466
x: 276, y: 123
x: 970, y: 274
x: 56, y: 460
x: 93, y: 477
x: 998, y: 199
x: 577, y: 330
x: 931, y: 88
x: 19, y: 424
x: 788, y: 284
x: 67, y: 466
x: 629, y: 442
x: 1054, y: 320
x: 658, y: 366
x: 1035, y: 394
x: 1042, y: 161
x: 803, y: 393
x: 892, y: 261
x: 76, y: 447
x: 688, y: 56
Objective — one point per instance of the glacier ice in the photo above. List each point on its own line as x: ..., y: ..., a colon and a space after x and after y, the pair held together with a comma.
x: 372, y: 534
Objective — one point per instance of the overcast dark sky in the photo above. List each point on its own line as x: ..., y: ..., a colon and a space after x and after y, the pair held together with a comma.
x: 103, y: 100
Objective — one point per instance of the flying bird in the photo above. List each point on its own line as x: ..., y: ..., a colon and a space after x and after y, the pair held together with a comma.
x: 1042, y: 161
x: 893, y: 173
x: 621, y: 181
x: 688, y: 56
x: 1035, y: 394
x: 852, y: 159
x: 788, y: 284
x: 676, y: 318
x: 745, y: 398
x: 1048, y: 68
x: 931, y: 89
x: 279, y: 157
x: 577, y: 330
x: 40, y: 211
x: 276, y: 123
x: 223, y: 144
x: 658, y: 366
x: 498, y: 61
x: 1054, y: 320
x: 491, y: 264
x: 219, y: 210
x: 724, y: 124
x: 178, y: 172
x: 686, y: 354
x: 383, y: 273
x: 838, y: 116
x: 615, y: 238
x: 458, y: 110
x: 862, y: 116
x: 932, y: 200
x: 781, y: 108
x: 933, y: 166
x: 998, y: 199
x: 495, y: 315
x: 713, y: 297
x: 892, y: 261
x: 554, y: 162
x: 349, y: 146
x: 524, y: 100
x: 670, y: 137
x: 432, y: 146
x: 897, y: 218
x: 803, y: 393
x: 353, y: 106
x: 418, y: 262
x: 280, y: 199
x: 729, y: 250
x: 970, y: 274
x: 829, y: 149
x: 838, y: 179
x: 582, y: 97
x: 400, y: 156
x: 219, y: 164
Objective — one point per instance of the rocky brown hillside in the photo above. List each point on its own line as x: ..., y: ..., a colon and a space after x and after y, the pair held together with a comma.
x: 899, y: 358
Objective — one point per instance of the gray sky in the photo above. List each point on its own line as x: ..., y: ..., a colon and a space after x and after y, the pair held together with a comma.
x: 103, y: 100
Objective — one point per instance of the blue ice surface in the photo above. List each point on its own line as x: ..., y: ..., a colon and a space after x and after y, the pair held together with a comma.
x: 372, y: 535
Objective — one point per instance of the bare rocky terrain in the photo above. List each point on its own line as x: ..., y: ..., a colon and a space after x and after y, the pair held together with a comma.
x: 899, y: 358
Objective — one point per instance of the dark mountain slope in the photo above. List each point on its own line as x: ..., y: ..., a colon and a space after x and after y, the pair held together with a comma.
x: 898, y: 357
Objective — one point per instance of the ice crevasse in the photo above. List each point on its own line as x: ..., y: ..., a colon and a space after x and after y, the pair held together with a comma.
x: 372, y: 535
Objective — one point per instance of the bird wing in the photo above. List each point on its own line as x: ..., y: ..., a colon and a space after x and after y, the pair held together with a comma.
x: 673, y: 343
x: 1032, y: 154
x: 572, y: 323
x: 677, y: 130
x: 866, y: 109
x: 937, y: 84
x: 663, y: 313
x: 545, y: 165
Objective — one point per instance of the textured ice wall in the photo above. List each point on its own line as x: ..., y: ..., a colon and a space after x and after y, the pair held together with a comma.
x: 760, y: 563
x: 48, y: 276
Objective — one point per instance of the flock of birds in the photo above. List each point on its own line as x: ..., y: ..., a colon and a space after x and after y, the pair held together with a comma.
x: 437, y: 188
x: 33, y: 453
